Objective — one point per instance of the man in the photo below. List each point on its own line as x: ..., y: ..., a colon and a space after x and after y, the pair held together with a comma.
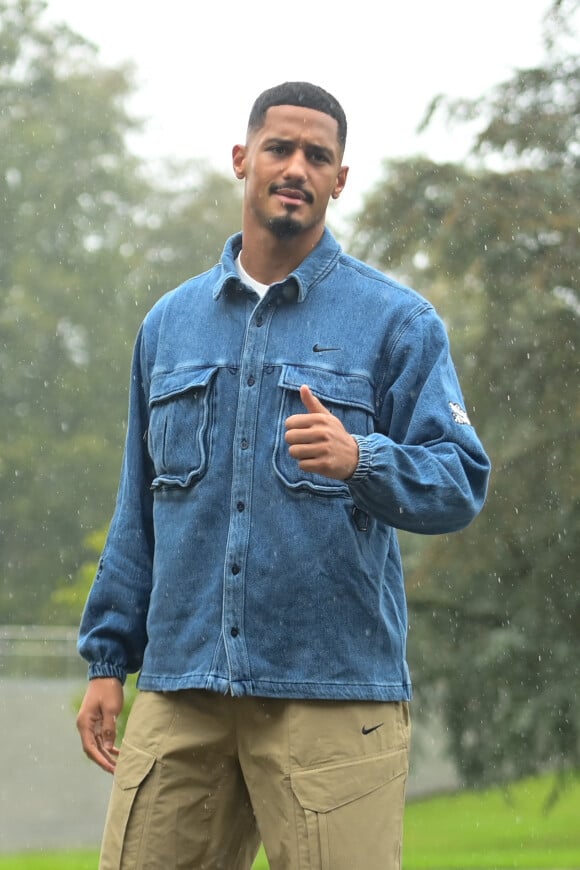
x: 289, y: 410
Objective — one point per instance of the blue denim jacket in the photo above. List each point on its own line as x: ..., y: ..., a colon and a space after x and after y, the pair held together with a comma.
x: 228, y: 568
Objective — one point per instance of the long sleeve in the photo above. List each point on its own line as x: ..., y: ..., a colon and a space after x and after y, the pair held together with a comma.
x: 424, y: 469
x: 113, y: 627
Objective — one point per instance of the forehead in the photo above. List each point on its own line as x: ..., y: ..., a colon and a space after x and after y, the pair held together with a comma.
x: 298, y: 123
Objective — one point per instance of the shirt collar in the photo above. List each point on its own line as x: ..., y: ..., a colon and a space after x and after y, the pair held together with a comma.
x: 299, y: 283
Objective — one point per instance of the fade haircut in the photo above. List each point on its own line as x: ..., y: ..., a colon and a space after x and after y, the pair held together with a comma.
x: 299, y: 94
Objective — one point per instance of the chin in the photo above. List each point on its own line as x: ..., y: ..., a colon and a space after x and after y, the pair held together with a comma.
x: 285, y: 227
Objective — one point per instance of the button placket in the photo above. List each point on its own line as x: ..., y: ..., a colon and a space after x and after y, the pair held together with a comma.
x: 251, y: 366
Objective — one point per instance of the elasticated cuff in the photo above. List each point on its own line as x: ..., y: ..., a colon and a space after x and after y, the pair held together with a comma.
x: 364, y: 458
x: 105, y: 669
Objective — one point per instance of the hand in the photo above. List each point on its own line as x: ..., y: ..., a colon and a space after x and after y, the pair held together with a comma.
x: 96, y: 721
x: 319, y: 442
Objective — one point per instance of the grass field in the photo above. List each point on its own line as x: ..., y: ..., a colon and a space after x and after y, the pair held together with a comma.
x: 489, y: 830
x: 496, y: 829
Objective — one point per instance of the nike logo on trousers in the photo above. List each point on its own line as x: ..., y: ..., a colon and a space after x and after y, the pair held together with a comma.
x: 365, y: 730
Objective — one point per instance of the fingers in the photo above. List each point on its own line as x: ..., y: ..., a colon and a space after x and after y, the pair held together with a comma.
x: 106, y: 737
x: 319, y: 442
x: 94, y: 747
x: 305, y: 428
x: 312, y: 405
x: 310, y: 402
x: 96, y: 721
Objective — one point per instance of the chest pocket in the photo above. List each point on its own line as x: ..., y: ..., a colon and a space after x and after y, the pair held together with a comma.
x: 349, y: 397
x: 180, y: 425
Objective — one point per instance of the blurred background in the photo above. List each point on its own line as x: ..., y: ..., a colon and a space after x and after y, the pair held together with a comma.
x: 116, y: 127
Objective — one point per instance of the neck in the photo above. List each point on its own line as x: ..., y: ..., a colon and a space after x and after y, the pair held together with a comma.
x: 269, y: 259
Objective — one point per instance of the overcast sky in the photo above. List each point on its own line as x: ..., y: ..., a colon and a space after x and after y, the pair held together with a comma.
x: 199, y: 66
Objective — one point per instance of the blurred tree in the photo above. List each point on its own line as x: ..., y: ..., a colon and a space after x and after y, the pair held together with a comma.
x: 495, y: 610
x: 191, y: 211
x: 87, y: 243
x: 68, y: 599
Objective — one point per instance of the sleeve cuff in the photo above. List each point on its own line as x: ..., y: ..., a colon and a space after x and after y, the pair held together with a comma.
x: 364, y: 458
x: 104, y: 669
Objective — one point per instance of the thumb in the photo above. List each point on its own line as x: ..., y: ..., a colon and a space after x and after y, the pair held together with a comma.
x: 310, y: 402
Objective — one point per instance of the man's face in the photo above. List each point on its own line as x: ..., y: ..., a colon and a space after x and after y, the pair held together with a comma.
x: 292, y: 166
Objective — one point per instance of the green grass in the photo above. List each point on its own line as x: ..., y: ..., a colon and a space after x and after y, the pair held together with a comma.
x: 87, y: 860
x: 50, y: 861
x: 497, y: 829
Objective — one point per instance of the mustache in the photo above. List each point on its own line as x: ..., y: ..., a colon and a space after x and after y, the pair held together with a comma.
x: 305, y: 194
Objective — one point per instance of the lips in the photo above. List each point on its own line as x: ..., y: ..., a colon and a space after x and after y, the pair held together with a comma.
x: 291, y: 195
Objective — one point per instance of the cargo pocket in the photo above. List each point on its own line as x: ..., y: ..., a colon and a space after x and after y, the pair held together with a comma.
x: 180, y: 425
x: 354, y: 812
x: 133, y: 769
x: 349, y: 397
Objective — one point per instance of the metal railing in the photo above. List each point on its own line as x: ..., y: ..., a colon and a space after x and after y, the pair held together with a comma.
x: 39, y: 651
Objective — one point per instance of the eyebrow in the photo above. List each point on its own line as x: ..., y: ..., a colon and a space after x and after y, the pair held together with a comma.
x: 280, y: 140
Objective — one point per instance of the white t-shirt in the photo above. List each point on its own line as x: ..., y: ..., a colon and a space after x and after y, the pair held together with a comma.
x: 261, y: 289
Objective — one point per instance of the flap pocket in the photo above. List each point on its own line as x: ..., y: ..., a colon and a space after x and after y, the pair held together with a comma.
x: 323, y: 789
x: 349, y: 397
x: 180, y: 423
x: 353, y: 391
x: 133, y: 767
x: 167, y: 385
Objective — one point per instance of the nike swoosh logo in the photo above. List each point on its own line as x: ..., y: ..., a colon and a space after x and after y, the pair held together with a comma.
x: 318, y: 349
x: 370, y: 730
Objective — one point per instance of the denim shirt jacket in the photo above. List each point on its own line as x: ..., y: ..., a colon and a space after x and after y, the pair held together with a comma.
x: 228, y: 568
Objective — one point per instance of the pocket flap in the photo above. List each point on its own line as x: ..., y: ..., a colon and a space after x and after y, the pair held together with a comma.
x: 133, y: 766
x: 166, y: 385
x: 323, y: 789
x: 353, y: 390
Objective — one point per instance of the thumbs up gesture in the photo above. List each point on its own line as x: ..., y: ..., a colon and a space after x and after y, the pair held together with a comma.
x: 319, y: 442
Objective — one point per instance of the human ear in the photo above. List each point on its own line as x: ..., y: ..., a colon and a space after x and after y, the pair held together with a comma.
x: 239, y: 160
x: 340, y: 182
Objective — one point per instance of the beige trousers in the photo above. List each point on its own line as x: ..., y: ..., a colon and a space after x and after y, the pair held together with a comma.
x: 202, y: 778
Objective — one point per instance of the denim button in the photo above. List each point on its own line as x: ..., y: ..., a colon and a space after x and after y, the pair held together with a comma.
x: 234, y: 631
x: 259, y: 320
x: 235, y: 569
x: 251, y: 381
x: 244, y: 444
x: 241, y: 506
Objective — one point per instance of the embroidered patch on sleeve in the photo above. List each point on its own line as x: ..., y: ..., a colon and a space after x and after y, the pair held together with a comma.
x: 459, y: 414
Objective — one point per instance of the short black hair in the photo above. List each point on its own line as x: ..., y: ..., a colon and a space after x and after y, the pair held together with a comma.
x: 298, y: 94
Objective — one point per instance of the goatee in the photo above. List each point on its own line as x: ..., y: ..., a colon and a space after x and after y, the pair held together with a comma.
x: 285, y: 227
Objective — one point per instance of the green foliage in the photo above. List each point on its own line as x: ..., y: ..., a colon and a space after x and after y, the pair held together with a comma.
x: 68, y: 599
x: 494, y: 243
x: 67, y: 187
x: 88, y: 241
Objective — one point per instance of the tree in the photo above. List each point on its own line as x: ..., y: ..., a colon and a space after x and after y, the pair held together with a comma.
x: 67, y: 187
x: 495, y: 610
x: 88, y: 241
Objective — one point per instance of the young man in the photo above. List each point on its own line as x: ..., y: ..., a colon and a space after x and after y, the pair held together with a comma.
x: 289, y: 410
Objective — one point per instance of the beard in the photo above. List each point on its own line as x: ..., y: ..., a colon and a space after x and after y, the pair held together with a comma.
x: 285, y: 227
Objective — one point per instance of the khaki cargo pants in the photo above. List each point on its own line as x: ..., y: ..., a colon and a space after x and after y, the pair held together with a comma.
x: 203, y: 778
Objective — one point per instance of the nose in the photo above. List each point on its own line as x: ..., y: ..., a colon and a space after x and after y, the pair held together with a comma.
x: 296, y: 166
